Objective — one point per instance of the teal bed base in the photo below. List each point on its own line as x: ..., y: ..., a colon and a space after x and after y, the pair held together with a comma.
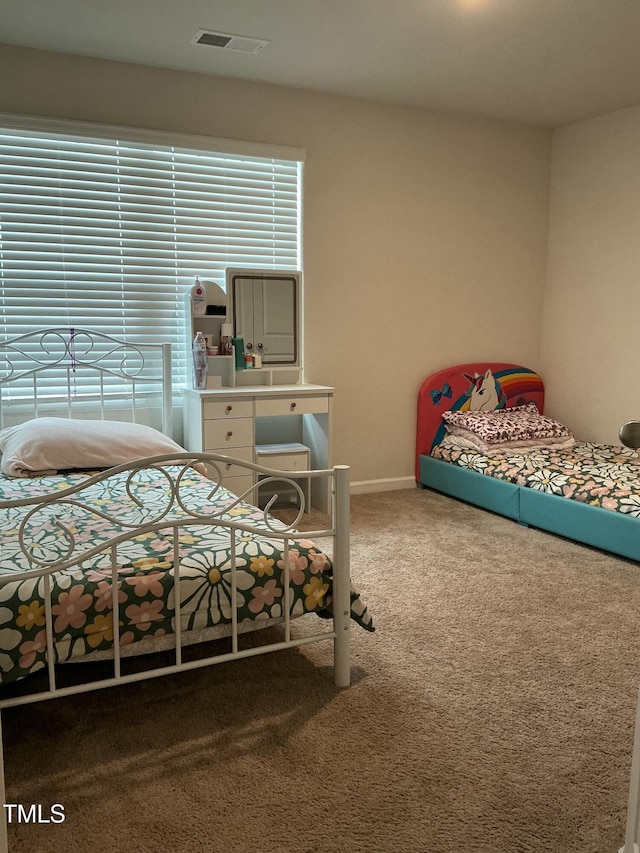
x: 591, y: 525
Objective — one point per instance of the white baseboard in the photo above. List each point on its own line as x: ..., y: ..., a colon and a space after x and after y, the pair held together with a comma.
x: 390, y: 484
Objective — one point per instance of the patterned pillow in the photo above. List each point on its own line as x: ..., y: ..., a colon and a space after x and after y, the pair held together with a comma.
x: 518, y: 423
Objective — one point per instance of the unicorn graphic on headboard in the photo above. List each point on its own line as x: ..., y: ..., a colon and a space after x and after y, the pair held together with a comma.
x: 486, y: 394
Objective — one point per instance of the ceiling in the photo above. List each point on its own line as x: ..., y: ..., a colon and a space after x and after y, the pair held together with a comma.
x: 541, y: 62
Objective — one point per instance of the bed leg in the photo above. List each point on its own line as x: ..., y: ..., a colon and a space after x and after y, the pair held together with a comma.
x: 4, y: 840
x: 633, y: 809
x: 342, y: 579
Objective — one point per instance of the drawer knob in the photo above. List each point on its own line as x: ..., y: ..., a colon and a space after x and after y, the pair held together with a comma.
x: 229, y: 408
x: 229, y: 434
x: 293, y: 405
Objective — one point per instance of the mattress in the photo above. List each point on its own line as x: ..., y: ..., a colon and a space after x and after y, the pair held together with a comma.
x: 606, y: 476
x: 82, y: 595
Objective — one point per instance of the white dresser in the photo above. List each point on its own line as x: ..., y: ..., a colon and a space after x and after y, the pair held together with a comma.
x: 233, y: 421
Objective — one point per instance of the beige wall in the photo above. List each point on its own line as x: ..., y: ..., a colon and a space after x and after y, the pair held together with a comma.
x: 590, y: 344
x: 424, y: 234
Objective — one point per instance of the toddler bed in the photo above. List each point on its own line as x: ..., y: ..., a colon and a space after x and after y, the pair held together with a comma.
x: 147, y: 554
x: 580, y: 490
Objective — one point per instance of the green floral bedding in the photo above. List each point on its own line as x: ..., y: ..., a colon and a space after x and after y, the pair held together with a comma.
x: 82, y: 597
x: 603, y: 475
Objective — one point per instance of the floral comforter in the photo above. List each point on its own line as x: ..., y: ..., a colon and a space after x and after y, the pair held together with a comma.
x: 604, y: 475
x: 82, y: 597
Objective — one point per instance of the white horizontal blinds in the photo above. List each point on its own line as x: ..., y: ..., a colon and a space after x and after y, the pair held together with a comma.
x: 233, y: 211
x: 109, y: 233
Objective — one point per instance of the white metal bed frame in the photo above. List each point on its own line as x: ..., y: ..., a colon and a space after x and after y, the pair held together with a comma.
x: 71, y: 361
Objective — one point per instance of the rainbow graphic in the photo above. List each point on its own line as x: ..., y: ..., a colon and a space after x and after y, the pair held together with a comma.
x: 521, y: 385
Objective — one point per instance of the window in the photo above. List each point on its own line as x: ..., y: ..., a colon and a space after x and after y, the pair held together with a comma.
x: 106, y: 228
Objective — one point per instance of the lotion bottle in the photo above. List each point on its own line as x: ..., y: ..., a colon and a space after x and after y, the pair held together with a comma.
x: 198, y: 299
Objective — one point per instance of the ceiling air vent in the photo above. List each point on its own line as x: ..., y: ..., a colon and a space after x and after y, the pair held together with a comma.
x: 227, y: 41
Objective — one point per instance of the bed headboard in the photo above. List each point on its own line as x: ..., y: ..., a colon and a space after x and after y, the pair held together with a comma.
x: 478, y: 385
x: 47, y: 371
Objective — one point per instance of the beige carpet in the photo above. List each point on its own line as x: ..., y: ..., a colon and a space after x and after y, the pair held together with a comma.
x: 491, y: 712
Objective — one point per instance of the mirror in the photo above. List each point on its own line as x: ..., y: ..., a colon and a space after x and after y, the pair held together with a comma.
x: 630, y: 434
x: 265, y: 311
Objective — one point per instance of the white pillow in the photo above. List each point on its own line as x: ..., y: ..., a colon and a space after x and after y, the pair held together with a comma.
x: 46, y: 445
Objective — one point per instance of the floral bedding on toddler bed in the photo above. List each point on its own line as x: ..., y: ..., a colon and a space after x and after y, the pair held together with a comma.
x: 82, y: 598
x: 603, y: 475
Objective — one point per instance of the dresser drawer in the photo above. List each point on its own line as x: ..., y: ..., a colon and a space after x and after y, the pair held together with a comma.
x: 239, y: 485
x: 244, y: 454
x: 215, y: 409
x: 219, y: 435
x: 292, y: 406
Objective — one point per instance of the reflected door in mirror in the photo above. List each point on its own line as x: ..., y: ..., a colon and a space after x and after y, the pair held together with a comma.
x: 266, y: 313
